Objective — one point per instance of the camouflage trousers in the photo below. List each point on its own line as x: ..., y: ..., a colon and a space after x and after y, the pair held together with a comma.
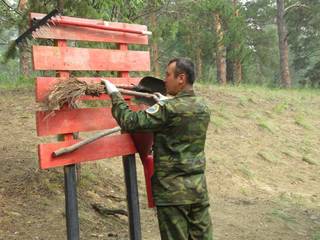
x: 185, y: 222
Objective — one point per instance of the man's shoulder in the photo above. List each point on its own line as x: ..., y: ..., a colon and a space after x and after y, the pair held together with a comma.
x: 187, y: 103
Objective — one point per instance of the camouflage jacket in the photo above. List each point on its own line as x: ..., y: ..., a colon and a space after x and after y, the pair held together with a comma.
x: 179, y: 125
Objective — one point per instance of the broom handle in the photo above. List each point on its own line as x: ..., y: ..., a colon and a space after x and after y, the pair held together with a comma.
x: 93, y: 138
x: 135, y: 93
x: 125, y: 86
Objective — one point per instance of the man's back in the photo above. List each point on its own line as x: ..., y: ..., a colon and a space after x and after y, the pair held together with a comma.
x: 179, y: 152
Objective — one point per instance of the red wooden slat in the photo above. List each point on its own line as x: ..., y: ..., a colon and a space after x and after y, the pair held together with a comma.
x: 75, y: 120
x: 123, y: 47
x: 106, y: 147
x: 45, y: 84
x: 55, y: 58
x: 87, y: 34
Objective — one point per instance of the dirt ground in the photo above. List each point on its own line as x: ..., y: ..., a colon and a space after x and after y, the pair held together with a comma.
x: 263, y: 172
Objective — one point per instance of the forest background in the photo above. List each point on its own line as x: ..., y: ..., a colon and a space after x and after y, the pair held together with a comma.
x: 274, y: 43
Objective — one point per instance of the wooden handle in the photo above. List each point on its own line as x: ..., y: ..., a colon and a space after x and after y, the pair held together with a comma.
x: 135, y: 93
x: 77, y: 145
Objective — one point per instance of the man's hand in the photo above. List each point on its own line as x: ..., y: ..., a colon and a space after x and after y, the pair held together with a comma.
x: 110, y: 87
x: 159, y: 97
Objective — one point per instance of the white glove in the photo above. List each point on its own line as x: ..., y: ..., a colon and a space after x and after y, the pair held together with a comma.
x: 110, y: 87
x: 159, y: 97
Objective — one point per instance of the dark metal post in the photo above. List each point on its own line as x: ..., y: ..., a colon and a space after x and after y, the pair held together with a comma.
x: 129, y: 165
x: 70, y: 189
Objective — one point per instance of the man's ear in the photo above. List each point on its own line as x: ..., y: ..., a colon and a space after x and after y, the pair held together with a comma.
x: 182, y: 78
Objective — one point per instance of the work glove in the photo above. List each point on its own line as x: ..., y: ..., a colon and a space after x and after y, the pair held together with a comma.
x: 159, y: 97
x: 109, y: 87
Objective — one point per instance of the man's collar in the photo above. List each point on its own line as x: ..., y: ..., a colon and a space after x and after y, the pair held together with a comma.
x: 185, y: 93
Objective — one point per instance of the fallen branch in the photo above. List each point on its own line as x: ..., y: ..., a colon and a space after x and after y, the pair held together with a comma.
x: 106, y: 211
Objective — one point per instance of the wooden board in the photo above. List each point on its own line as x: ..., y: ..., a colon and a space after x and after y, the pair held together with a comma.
x: 106, y: 147
x: 89, y: 34
x: 75, y: 120
x: 45, y: 84
x: 69, y: 59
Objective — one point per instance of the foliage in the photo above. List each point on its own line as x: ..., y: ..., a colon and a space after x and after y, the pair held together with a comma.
x: 303, y: 20
x: 262, y: 40
x: 186, y: 28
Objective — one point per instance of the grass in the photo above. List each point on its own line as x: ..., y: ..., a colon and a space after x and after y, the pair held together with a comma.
x: 243, y: 101
x: 18, y: 83
x: 297, y: 94
x: 222, y: 112
x: 316, y: 236
x: 290, y: 153
x: 310, y: 160
x: 280, y: 214
x: 300, y: 120
x: 266, y: 124
x: 280, y: 107
x: 267, y: 156
x: 246, y: 172
x: 290, y: 198
x: 217, y: 122
x: 88, y: 177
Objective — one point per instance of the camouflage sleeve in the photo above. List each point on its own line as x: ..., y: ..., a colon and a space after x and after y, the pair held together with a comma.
x: 152, y: 119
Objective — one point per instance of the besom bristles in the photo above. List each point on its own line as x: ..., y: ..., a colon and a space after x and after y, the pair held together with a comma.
x: 67, y: 92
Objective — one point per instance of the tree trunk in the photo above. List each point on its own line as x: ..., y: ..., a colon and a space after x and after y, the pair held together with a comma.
x: 220, y: 52
x: 283, y: 46
x: 24, y: 52
x: 60, y: 4
x: 237, y: 62
x: 229, y: 65
x: 154, y: 43
x: 237, y: 71
x: 199, y: 63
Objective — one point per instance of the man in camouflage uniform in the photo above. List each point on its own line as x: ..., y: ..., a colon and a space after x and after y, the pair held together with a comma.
x: 179, y: 125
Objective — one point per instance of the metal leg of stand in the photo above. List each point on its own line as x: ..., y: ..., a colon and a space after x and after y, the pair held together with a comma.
x: 129, y: 165
x: 72, y: 217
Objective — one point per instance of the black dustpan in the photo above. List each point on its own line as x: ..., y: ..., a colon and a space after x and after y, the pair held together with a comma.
x: 151, y: 85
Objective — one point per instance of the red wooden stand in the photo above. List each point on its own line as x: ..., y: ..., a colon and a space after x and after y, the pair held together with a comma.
x: 63, y: 59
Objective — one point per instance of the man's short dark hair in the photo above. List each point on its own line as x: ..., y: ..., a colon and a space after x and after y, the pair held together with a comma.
x: 184, y: 65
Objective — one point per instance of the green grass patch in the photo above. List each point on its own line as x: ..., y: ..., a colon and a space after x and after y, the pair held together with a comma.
x: 316, y: 236
x: 222, y: 112
x: 243, y: 101
x: 280, y: 214
x: 268, y: 157
x: 267, y: 125
x: 280, y: 107
x: 290, y: 154
x: 244, y: 191
x: 262, y: 121
x: 52, y: 186
x: 246, y: 172
x: 310, y: 160
x: 217, y: 121
x: 88, y: 177
x: 289, y: 199
x: 301, y: 121
x: 20, y: 82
